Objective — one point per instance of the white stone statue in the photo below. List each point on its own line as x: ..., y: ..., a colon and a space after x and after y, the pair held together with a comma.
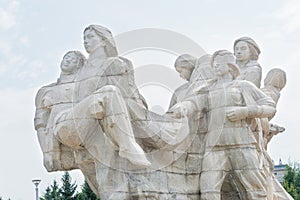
x: 184, y: 65
x: 247, y: 52
x: 211, y: 143
x: 273, y: 84
x: 230, y: 144
x: 99, y: 103
x: 197, y: 72
x: 51, y: 100
x: 96, y: 121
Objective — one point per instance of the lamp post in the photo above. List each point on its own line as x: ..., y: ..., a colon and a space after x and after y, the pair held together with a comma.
x: 36, y: 182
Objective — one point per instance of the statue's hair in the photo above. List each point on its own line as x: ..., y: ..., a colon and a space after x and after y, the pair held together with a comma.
x: 186, y: 61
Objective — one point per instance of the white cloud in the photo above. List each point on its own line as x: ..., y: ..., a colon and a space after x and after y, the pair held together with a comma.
x: 7, y: 20
x: 290, y: 12
x: 3, y: 67
x: 5, y: 47
x: 5, y: 51
x: 8, y: 15
x: 35, y: 67
x: 24, y: 40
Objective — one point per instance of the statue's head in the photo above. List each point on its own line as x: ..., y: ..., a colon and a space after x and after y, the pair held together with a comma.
x: 276, y: 78
x: 185, y: 65
x: 71, y: 62
x: 245, y: 48
x: 96, y: 36
x: 223, y: 62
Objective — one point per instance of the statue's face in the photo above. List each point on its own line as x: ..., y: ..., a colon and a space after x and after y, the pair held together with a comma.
x: 220, y: 66
x: 184, y: 72
x: 92, y: 41
x: 242, y: 51
x: 69, y: 63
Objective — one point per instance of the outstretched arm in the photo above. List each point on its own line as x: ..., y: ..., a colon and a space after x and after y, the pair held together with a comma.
x: 188, y: 107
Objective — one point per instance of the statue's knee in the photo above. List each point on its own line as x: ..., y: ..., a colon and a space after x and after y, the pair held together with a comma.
x: 66, y: 133
x: 96, y: 106
x: 108, y: 88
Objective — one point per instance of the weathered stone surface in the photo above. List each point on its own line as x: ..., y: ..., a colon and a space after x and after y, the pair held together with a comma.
x: 211, y: 144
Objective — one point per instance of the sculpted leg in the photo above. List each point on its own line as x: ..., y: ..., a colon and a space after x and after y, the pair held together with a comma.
x: 215, y: 167
x: 50, y: 147
x: 254, y: 184
x: 109, y: 107
x: 106, y: 106
x: 248, y: 172
x: 86, y: 164
x: 56, y: 156
x: 211, y: 184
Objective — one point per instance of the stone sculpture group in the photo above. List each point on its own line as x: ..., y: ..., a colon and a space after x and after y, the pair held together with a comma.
x: 210, y: 144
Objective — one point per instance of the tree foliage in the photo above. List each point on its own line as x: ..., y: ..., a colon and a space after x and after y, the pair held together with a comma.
x: 53, y: 192
x: 291, y: 180
x: 87, y: 193
x: 68, y: 190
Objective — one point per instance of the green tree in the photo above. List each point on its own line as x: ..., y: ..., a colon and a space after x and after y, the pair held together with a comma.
x: 3, y: 199
x: 53, y: 192
x: 68, y: 188
x: 87, y: 193
x: 290, y: 188
x: 291, y: 182
x: 47, y: 194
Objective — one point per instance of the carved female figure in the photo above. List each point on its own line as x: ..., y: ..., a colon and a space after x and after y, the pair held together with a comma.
x: 184, y: 65
x: 247, y: 52
x: 98, y: 100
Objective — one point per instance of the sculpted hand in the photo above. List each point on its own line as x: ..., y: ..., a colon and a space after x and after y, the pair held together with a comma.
x: 237, y: 113
x: 178, y: 111
x: 47, y: 103
x: 182, y: 109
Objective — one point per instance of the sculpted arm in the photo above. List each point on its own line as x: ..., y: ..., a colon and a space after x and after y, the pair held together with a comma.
x: 189, y: 107
x: 258, y: 105
x: 50, y: 146
x: 173, y: 101
x: 43, y: 109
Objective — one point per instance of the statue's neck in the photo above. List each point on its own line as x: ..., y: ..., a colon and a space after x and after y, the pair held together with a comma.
x: 66, y: 78
x: 242, y: 63
x: 97, y: 54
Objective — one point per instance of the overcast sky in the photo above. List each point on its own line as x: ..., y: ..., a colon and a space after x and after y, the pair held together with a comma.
x: 35, y: 34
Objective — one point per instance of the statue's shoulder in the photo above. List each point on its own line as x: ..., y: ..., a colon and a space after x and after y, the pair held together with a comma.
x: 117, y: 65
x: 254, y: 65
x: 118, y: 60
x: 46, y: 88
x: 42, y: 92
